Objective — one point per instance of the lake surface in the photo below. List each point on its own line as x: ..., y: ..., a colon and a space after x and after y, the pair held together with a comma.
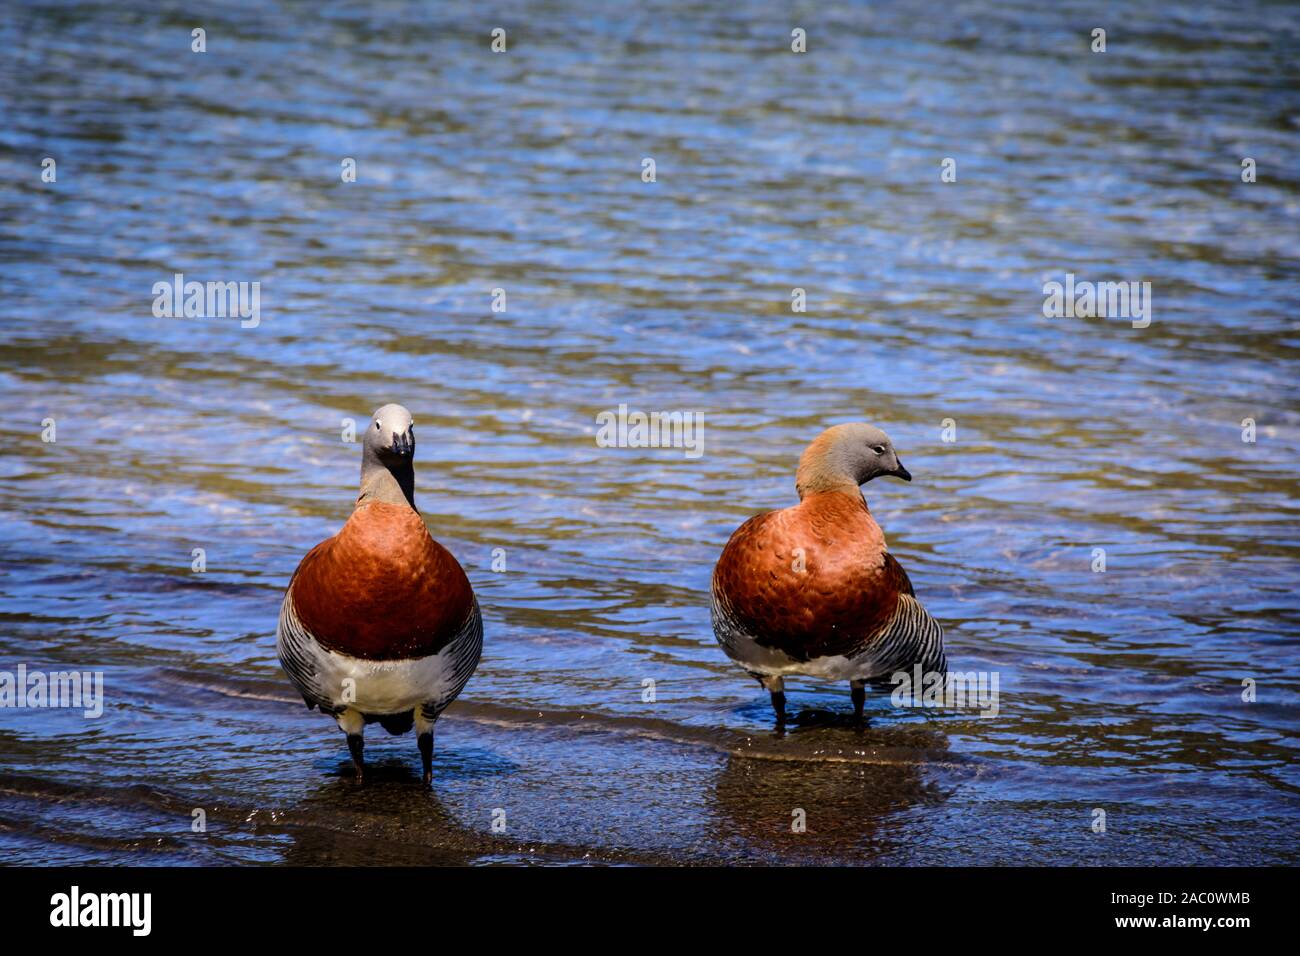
x: 1120, y: 691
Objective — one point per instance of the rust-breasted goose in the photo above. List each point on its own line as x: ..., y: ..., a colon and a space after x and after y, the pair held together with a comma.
x: 812, y: 590
x: 379, y: 622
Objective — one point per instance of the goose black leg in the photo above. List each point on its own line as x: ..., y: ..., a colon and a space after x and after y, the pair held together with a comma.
x: 776, y: 687
x: 355, y: 746
x: 858, y: 692
x: 778, y: 705
x: 425, y: 742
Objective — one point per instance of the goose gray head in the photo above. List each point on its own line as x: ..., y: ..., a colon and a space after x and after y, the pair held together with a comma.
x: 390, y: 436
x: 844, y: 457
x: 388, y: 452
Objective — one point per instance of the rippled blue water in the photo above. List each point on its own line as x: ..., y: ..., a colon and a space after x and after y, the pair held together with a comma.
x: 522, y: 171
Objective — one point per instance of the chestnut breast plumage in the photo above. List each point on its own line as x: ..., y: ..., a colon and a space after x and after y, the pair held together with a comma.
x: 382, y: 588
x: 811, y: 581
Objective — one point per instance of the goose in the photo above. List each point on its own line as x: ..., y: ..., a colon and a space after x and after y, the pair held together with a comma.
x: 813, y: 590
x: 379, y: 623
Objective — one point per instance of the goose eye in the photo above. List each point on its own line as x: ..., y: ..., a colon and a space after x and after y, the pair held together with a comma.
x: 878, y: 449
x: 376, y: 426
